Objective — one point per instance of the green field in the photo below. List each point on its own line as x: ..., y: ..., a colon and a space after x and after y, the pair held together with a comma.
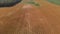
x: 57, y: 2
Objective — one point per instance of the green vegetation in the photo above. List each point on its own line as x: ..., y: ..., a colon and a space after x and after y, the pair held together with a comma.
x: 33, y: 3
x: 57, y: 2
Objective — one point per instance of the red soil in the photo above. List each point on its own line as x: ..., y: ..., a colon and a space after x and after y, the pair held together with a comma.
x: 42, y: 20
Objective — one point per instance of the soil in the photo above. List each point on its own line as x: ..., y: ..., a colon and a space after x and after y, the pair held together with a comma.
x: 36, y: 20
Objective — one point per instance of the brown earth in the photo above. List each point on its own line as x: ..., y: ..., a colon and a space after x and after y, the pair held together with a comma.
x: 42, y: 20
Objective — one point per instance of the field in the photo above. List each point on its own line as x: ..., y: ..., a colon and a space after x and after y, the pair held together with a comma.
x: 36, y: 20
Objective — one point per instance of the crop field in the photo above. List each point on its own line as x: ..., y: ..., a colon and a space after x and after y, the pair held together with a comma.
x: 42, y: 17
